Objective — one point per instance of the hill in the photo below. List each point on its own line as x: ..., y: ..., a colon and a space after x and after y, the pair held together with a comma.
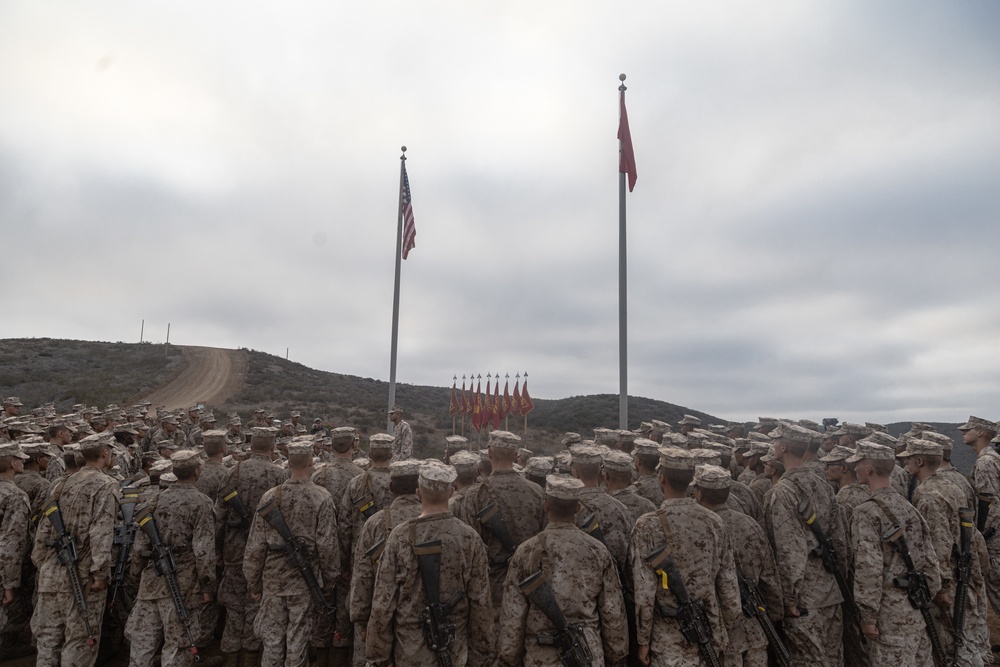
x: 64, y: 372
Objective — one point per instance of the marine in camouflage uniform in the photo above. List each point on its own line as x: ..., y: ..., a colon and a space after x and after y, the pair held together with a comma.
x: 754, y: 560
x: 285, y: 620
x: 518, y: 501
x: 618, y: 467
x: 14, y: 516
x: 977, y: 433
x: 699, y: 543
x: 938, y: 501
x: 584, y: 582
x: 814, y: 637
x: 335, y: 476
x: 88, y: 503
x: 614, y: 522
x: 402, y: 445
x: 647, y: 457
x: 185, y: 520
x: 253, y: 478
x: 31, y: 481
x: 404, y: 506
x: 466, y: 467
x: 211, y: 479
x: 894, y: 628
x: 395, y: 630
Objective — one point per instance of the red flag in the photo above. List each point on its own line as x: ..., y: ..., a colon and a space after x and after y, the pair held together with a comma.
x: 406, y: 209
x: 488, y: 408
x: 477, y: 409
x: 626, y: 161
x: 496, y: 405
x: 505, y: 405
x: 515, y: 401
x: 463, y: 405
x: 453, y: 408
x: 527, y: 405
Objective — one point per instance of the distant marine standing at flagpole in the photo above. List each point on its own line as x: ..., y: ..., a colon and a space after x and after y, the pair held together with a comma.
x: 406, y: 240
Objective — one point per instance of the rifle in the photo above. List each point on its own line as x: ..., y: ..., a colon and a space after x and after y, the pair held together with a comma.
x: 366, y: 503
x: 592, y: 527
x: 690, y: 614
x: 124, y: 538
x: 831, y: 563
x: 753, y: 606
x: 917, y: 591
x: 231, y: 497
x: 492, y: 520
x: 296, y: 554
x: 163, y: 560
x: 438, y: 631
x: 985, y: 500
x: 963, y: 572
x: 569, y: 640
x: 65, y: 547
x: 375, y: 553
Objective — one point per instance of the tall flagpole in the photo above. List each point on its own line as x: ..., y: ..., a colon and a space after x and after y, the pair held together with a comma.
x: 395, y: 291
x: 622, y: 290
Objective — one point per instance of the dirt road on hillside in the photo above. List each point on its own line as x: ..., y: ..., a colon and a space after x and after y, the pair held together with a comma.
x: 211, y: 375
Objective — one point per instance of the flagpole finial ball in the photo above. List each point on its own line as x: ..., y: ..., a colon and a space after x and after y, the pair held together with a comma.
x: 403, y: 148
x: 621, y: 77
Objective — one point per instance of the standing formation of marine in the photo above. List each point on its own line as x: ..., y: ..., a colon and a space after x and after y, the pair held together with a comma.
x: 788, y: 543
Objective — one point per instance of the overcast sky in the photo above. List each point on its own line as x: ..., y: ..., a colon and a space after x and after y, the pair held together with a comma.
x: 814, y: 230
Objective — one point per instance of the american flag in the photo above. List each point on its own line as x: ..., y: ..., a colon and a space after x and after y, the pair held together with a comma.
x: 409, y: 229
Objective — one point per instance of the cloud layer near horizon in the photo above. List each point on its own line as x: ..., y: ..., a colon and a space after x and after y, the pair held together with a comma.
x: 812, y: 231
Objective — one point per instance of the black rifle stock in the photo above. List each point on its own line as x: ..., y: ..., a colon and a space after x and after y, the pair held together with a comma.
x: 831, y: 563
x: 985, y: 501
x: 231, y: 497
x: 569, y: 640
x: 296, y: 555
x: 753, y: 607
x: 491, y: 519
x: 917, y: 591
x: 65, y: 547
x: 163, y: 561
x: 124, y: 539
x: 592, y: 527
x: 963, y: 572
x: 689, y: 614
x: 439, y: 632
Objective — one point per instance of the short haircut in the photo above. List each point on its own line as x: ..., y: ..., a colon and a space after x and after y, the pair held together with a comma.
x: 379, y: 455
x: 436, y: 496
x: 618, y: 476
x: 588, y: 471
x: 184, y: 472
x: 931, y: 460
x: 795, y: 447
x: 300, y: 460
x: 55, y: 429
x: 6, y: 464
x: 648, y: 461
x: 467, y: 475
x: 485, y: 467
x: 504, y: 454
x: 342, y: 445
x: 214, y: 446
x: 258, y: 444
x: 403, y: 485
x: 814, y: 446
x: 678, y: 480
x: 94, y: 453
x: 714, y: 496
x: 562, y: 508
x: 882, y: 467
